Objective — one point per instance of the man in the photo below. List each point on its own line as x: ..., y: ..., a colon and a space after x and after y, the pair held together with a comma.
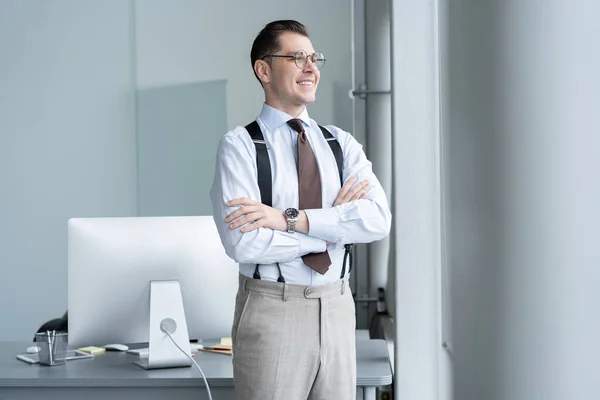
x: 293, y: 331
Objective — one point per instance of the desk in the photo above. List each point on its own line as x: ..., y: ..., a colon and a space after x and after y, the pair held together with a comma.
x: 113, y: 376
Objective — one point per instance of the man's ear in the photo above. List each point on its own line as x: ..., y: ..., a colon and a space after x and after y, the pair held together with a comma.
x: 263, y: 71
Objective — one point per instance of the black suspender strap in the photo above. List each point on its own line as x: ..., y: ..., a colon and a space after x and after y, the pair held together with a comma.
x: 339, y: 159
x: 257, y: 273
x: 263, y: 164
x: 347, y: 258
x: 337, y: 152
x: 265, y: 183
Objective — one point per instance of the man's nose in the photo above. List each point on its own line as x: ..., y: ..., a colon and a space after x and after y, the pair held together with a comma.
x: 310, y: 66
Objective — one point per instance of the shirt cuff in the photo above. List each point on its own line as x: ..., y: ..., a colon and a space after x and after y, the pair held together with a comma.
x: 323, y: 224
x: 311, y: 244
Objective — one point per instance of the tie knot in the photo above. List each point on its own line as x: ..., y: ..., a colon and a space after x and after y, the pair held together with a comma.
x: 296, y: 124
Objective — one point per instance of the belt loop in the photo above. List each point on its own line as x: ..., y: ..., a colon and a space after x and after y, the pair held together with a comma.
x: 245, y: 282
x: 285, y: 289
x: 343, y: 287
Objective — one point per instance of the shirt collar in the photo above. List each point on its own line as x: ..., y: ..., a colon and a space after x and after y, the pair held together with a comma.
x: 275, y: 119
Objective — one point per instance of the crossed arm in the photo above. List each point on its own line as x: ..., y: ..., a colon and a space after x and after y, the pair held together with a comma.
x: 252, y: 232
x: 252, y: 215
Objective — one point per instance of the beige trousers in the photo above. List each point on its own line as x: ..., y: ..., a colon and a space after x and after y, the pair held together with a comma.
x: 293, y: 342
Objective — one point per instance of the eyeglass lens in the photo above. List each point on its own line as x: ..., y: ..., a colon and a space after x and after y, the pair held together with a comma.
x: 301, y: 58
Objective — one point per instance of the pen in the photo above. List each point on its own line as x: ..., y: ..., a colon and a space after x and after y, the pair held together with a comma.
x: 217, y: 348
x: 49, y: 338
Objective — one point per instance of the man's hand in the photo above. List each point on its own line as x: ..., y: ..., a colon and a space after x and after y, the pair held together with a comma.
x: 349, y: 193
x: 256, y: 215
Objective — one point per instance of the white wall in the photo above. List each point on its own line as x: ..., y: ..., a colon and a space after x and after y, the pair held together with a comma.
x: 67, y: 140
x: 523, y: 151
x: 473, y: 195
x: 420, y: 366
x: 190, y: 41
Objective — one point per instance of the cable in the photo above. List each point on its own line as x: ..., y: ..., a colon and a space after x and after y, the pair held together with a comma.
x: 194, y: 361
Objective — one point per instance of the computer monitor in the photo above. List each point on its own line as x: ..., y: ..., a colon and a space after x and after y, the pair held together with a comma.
x: 114, y: 262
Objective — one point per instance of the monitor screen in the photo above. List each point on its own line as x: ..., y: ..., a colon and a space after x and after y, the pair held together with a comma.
x: 111, y: 262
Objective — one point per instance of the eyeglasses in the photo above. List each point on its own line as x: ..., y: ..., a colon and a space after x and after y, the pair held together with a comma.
x: 301, y: 58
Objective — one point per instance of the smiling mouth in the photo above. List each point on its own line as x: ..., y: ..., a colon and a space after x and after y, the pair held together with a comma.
x: 306, y: 83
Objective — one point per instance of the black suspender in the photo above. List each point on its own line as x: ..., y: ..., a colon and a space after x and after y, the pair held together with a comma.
x: 265, y: 183
x: 339, y: 159
x: 263, y: 164
x: 337, y: 152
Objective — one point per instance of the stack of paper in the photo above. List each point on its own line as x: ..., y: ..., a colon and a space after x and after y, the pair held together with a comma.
x: 223, y: 348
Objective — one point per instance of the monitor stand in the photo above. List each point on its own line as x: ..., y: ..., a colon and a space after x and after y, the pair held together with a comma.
x: 166, y: 312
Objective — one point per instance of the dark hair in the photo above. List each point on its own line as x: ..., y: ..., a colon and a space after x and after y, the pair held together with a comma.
x: 267, y: 40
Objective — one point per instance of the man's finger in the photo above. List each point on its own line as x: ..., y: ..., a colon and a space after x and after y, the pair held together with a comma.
x: 239, y: 212
x: 255, y: 216
x: 357, y: 189
x: 234, y: 215
x: 240, y: 201
x: 360, y: 195
x: 238, y: 222
x: 346, y: 187
x: 254, y: 220
x: 341, y: 197
x: 252, y: 226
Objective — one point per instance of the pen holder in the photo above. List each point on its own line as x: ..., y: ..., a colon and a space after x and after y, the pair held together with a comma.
x: 53, y: 347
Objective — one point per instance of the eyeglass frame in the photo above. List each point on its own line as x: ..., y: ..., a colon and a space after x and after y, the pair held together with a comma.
x: 296, y: 58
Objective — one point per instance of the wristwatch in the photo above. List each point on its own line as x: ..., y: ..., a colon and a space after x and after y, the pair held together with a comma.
x: 291, y: 215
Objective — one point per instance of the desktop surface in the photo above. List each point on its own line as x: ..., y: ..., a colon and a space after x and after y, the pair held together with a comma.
x: 109, y: 369
x: 116, y: 369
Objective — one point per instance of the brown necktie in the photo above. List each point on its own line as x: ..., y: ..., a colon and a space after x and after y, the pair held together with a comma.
x: 309, y: 191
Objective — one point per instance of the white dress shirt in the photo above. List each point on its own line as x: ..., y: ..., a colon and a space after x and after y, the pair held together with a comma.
x: 360, y: 221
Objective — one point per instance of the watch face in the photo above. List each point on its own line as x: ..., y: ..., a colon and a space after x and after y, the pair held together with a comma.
x: 291, y: 212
